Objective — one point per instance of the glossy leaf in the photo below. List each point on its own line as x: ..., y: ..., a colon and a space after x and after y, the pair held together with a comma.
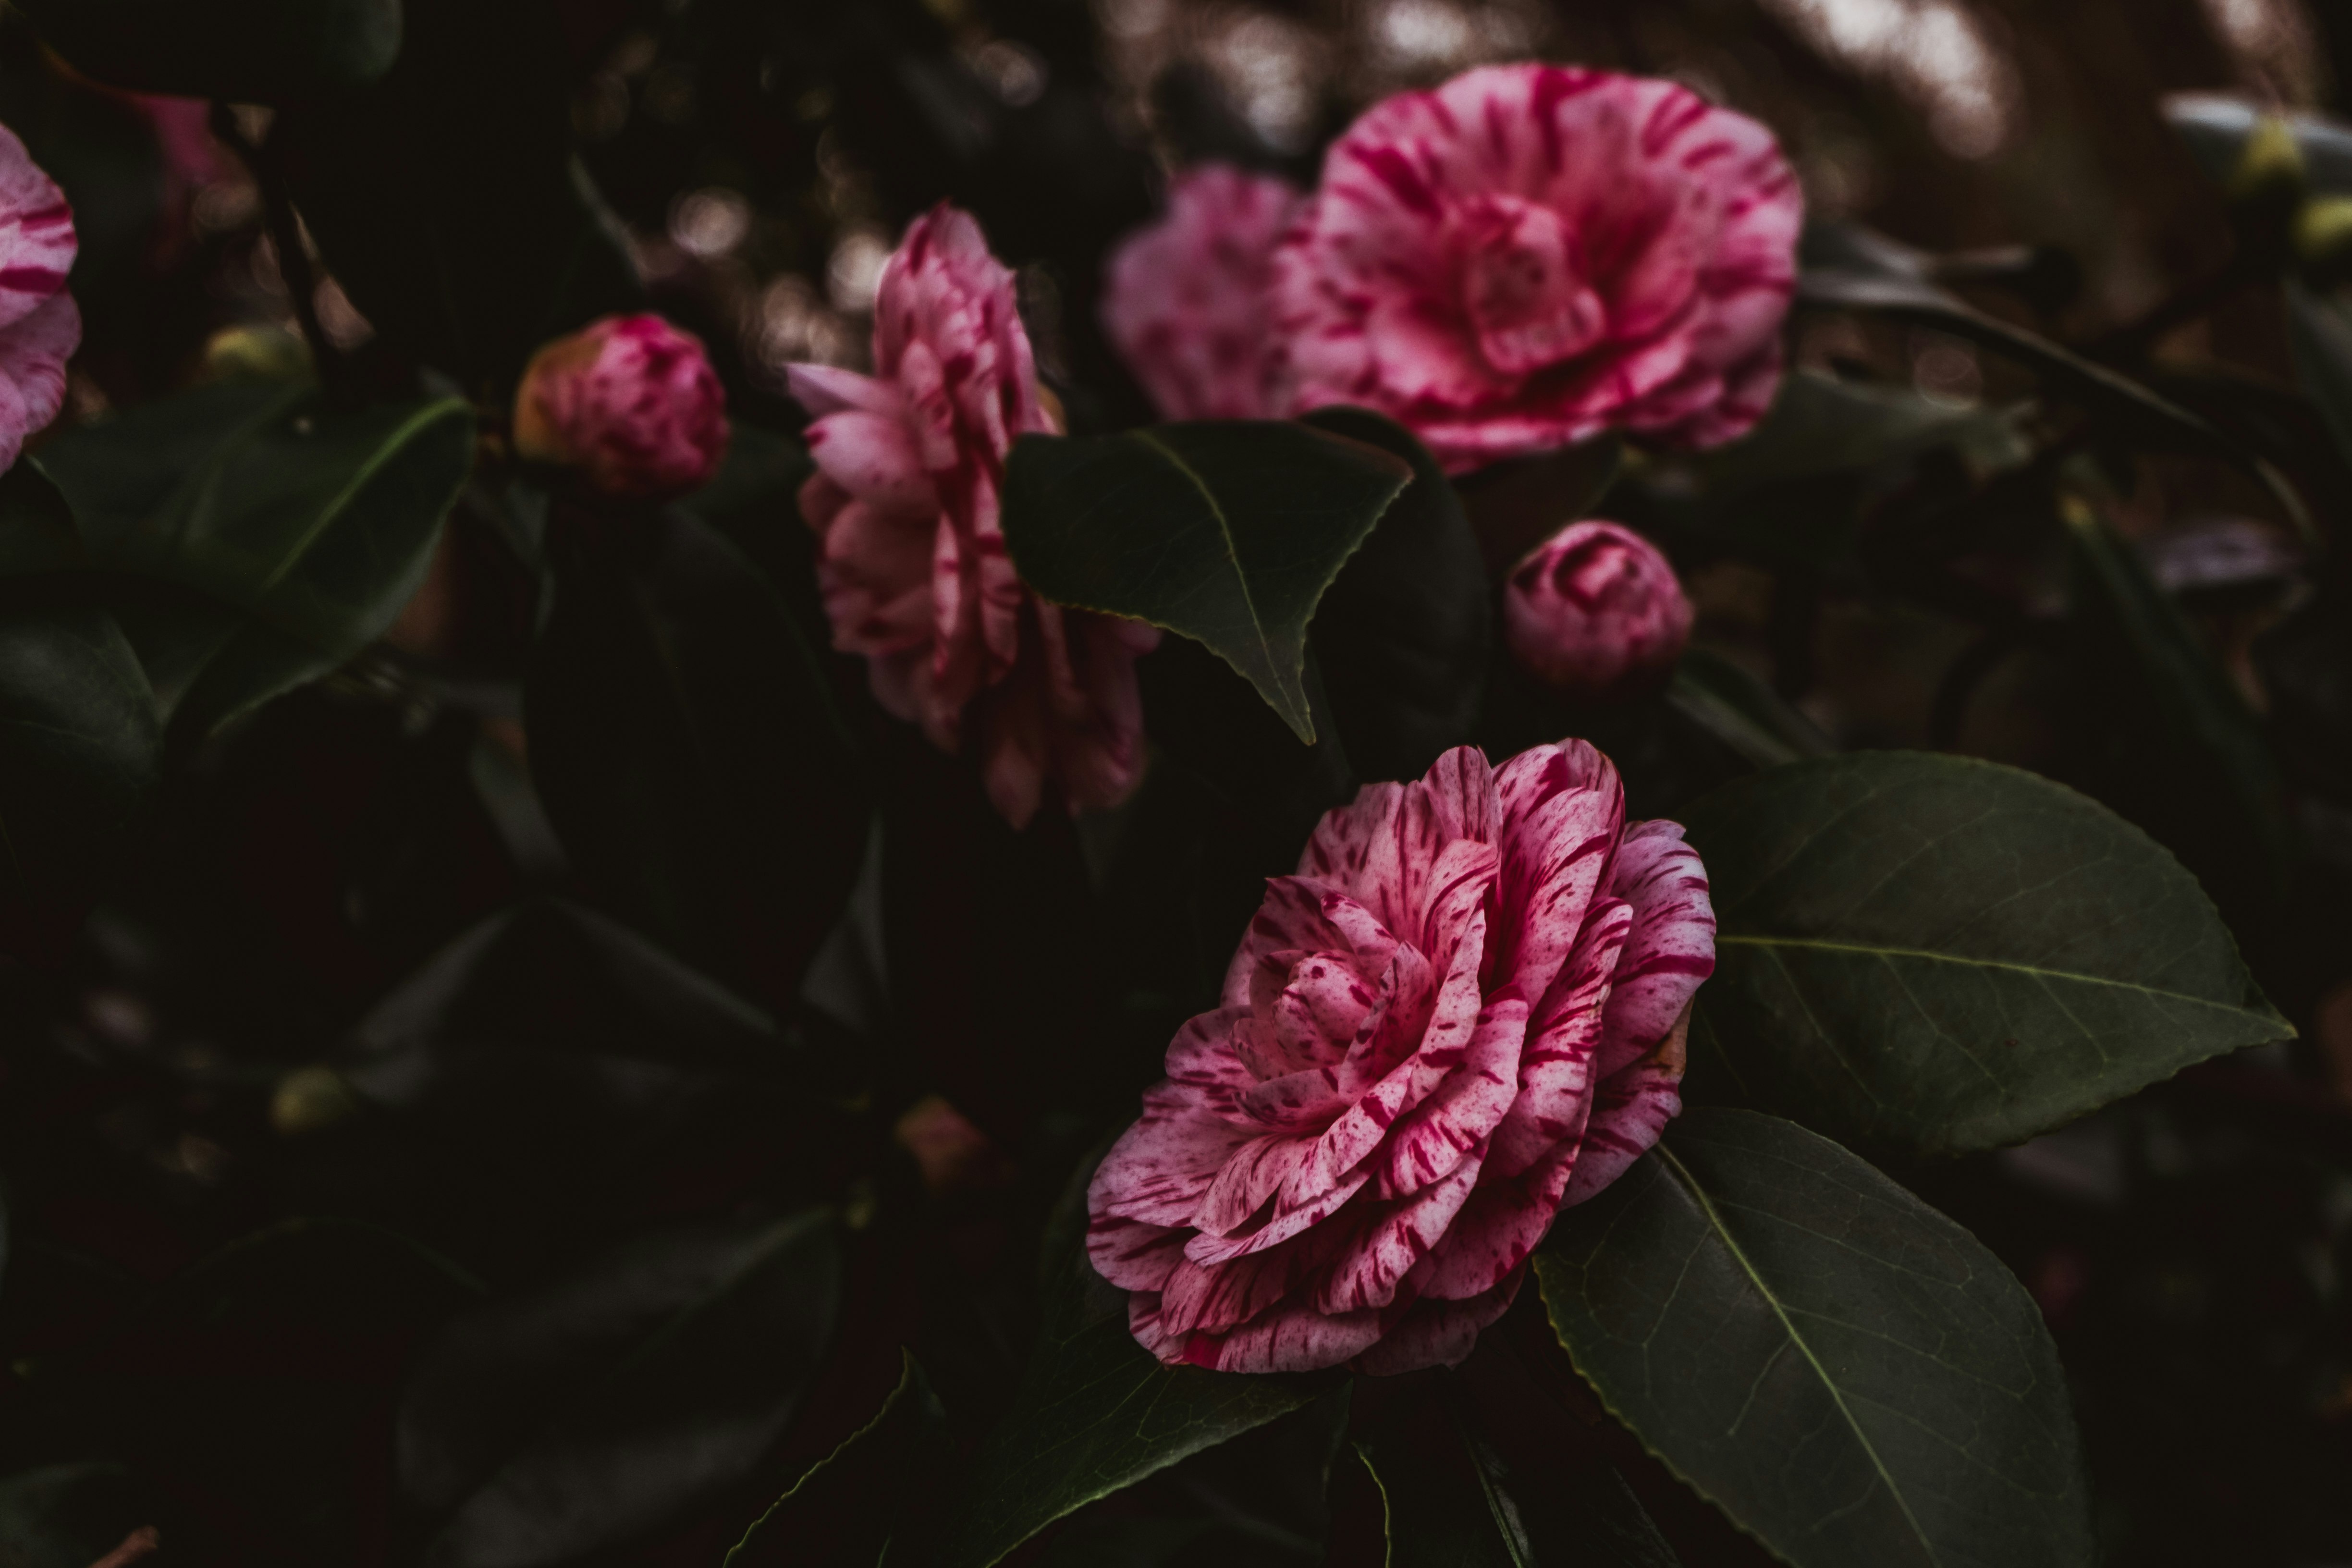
x: 269, y: 537
x: 1404, y: 635
x: 1932, y: 954
x: 547, y: 1064
x: 686, y: 744
x: 78, y: 758
x: 1821, y: 425
x: 1094, y: 1412
x: 65, y: 1516
x: 2211, y: 736
x: 244, y: 51
x: 547, y: 1424
x: 1743, y: 712
x: 2319, y: 334
x: 1262, y: 1501
x: 446, y: 199
x: 1227, y: 531
x: 850, y: 1506
x: 1848, y: 1374
x: 36, y: 525
x: 1876, y: 279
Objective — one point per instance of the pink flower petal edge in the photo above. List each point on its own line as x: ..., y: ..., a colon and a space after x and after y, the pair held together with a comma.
x: 1531, y: 255
x: 1187, y: 300
x: 911, y: 554
x: 40, y: 326
x: 1465, y: 1009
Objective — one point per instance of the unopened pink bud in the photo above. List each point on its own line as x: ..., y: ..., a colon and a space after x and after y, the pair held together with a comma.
x: 1597, y: 612
x: 632, y: 401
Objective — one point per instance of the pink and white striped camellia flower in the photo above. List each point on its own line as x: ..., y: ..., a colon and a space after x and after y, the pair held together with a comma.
x: 1465, y: 1010
x: 40, y: 326
x: 909, y: 468
x: 1187, y: 300
x: 1531, y: 255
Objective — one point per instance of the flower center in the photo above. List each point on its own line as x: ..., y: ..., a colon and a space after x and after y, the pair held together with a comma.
x: 1523, y: 286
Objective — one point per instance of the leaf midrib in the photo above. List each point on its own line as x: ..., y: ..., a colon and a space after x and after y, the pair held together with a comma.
x: 394, y: 445
x: 1716, y: 1222
x: 1224, y: 532
x: 1872, y: 950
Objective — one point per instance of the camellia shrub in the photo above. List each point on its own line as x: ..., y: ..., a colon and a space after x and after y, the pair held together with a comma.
x: 1014, y: 984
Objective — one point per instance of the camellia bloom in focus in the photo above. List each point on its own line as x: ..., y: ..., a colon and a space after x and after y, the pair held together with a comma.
x: 1187, y: 300
x: 909, y: 466
x: 1597, y: 612
x: 1465, y: 1010
x: 40, y: 326
x: 1530, y: 255
x: 632, y: 401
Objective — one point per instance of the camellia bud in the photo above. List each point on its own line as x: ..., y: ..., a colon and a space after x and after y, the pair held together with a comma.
x: 1597, y: 612
x: 630, y: 400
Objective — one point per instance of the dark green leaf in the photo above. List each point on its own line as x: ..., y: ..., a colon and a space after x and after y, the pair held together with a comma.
x: 1404, y: 635
x: 535, y: 1072
x: 244, y: 51
x: 1885, y: 286
x: 2319, y: 333
x: 1848, y: 1374
x: 1451, y: 1497
x: 688, y: 749
x: 78, y: 756
x: 65, y: 1516
x: 1743, y: 712
x: 1820, y: 425
x: 2214, y: 737
x: 1445, y: 1508
x: 1262, y: 1501
x: 256, y: 1383
x: 1515, y: 506
x: 272, y: 537
x: 548, y: 1424
x: 1935, y: 954
x: 36, y: 526
x: 446, y: 199
x: 1225, y: 530
x: 1094, y: 1412
x: 845, y: 1512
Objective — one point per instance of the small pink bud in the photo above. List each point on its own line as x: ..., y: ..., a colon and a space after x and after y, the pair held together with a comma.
x: 632, y: 401
x: 1597, y: 612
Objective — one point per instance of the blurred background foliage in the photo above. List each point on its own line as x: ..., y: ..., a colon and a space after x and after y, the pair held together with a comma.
x: 342, y: 974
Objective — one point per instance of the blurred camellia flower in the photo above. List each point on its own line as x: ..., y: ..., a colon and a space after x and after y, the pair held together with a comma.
x: 40, y: 326
x: 1596, y: 612
x: 631, y: 401
x: 1531, y: 255
x: 1186, y: 299
x: 910, y: 462
x: 1466, y: 1010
